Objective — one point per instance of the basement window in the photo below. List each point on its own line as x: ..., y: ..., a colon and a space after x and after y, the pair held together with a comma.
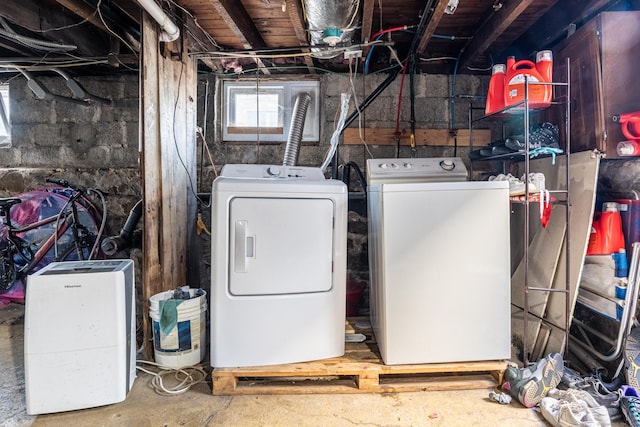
x: 5, y: 124
x: 262, y: 111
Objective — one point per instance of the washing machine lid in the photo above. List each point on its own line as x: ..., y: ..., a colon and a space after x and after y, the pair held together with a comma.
x: 432, y: 169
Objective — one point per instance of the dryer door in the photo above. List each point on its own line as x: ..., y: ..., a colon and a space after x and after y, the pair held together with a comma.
x: 280, y: 245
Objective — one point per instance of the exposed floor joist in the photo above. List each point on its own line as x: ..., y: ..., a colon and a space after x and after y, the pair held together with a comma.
x: 241, y: 25
x: 30, y: 14
x: 438, y: 13
x: 297, y: 21
x: 367, y: 23
x: 85, y: 12
x: 495, y: 26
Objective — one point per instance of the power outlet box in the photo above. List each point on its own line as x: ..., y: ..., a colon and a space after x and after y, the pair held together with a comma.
x: 352, y: 54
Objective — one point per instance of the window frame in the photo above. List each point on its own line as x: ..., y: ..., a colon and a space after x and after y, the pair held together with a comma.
x: 287, y: 91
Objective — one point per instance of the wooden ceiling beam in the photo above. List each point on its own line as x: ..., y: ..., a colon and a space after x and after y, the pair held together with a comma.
x: 239, y: 22
x: 130, y: 8
x: 37, y: 16
x: 367, y: 23
x: 438, y: 13
x: 85, y: 12
x: 495, y: 26
x: 297, y: 22
x: 241, y: 25
x: 199, y: 41
x: 487, y: 34
x: 553, y: 26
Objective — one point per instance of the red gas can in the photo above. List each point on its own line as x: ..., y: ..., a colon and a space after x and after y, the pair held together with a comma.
x: 540, y: 72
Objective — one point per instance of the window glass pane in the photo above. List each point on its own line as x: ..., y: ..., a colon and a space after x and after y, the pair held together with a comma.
x: 4, y: 91
x: 5, y: 124
x: 251, y: 110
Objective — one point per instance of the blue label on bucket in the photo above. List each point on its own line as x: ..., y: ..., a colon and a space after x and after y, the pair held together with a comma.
x: 183, y: 330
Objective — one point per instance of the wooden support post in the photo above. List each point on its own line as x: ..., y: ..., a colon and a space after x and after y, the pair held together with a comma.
x: 167, y: 131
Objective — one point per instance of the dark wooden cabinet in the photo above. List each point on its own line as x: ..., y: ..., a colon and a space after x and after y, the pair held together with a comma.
x: 605, y: 72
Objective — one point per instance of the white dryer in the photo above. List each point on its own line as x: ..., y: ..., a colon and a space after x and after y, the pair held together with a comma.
x: 278, y: 266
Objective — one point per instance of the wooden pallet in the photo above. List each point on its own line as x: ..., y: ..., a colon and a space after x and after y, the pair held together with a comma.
x: 360, y: 370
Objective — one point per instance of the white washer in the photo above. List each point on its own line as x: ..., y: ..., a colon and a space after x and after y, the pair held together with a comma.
x: 439, y: 251
x: 278, y: 266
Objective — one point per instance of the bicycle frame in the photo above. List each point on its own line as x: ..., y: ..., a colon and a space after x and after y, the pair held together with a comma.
x: 69, y: 220
x: 26, y: 246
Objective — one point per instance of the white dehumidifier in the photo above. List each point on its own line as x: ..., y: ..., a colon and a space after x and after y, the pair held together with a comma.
x: 79, y: 335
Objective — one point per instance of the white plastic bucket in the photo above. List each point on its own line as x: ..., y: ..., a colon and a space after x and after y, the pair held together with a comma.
x: 185, y: 344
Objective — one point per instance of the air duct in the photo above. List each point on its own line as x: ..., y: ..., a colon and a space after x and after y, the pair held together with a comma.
x: 331, y: 22
x: 295, y: 130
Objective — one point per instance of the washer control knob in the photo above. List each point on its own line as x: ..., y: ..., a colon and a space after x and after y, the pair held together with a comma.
x: 274, y: 171
x: 447, y: 164
x: 408, y: 165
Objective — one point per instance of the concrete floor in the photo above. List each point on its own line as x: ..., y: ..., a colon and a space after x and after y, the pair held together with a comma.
x: 198, y: 407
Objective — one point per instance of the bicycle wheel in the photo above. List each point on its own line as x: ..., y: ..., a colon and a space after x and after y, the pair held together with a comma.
x: 7, y: 270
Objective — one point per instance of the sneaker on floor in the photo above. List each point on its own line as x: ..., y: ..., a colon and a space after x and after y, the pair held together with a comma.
x: 563, y: 413
x: 631, y: 353
x: 570, y: 378
x: 630, y: 405
x: 601, y: 394
x: 600, y: 412
x: 529, y: 385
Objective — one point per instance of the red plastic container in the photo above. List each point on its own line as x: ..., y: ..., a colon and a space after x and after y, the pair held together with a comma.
x: 539, y: 95
x: 630, y: 124
x: 606, y: 235
x: 495, y: 96
x: 630, y: 214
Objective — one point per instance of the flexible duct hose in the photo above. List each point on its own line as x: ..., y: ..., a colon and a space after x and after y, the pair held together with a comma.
x: 295, y: 130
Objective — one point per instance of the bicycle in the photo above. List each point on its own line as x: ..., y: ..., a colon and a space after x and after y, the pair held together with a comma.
x: 72, y: 233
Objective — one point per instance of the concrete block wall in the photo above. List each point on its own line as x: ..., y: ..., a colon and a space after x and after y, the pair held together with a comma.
x: 432, y: 110
x: 94, y: 146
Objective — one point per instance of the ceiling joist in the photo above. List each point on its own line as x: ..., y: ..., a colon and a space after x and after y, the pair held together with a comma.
x: 495, y: 26
x: 239, y: 22
x: 83, y: 11
x: 297, y: 21
x: 241, y: 25
x: 438, y: 13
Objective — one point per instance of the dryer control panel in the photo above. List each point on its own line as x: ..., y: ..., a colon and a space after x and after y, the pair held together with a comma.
x: 271, y: 172
x: 432, y: 169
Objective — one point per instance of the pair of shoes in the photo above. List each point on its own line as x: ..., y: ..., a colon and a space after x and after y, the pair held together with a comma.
x: 601, y: 394
x: 529, y: 385
x: 630, y: 405
x: 573, y: 408
x: 516, y: 186
x: 543, y: 135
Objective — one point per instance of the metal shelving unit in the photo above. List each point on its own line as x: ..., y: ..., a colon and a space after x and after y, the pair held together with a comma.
x: 563, y: 195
